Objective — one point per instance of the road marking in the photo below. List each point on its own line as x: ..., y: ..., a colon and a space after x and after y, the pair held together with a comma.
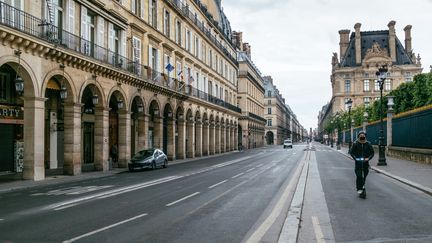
x: 251, y: 169
x: 75, y: 190
x: 258, y: 166
x: 319, y: 236
x: 239, y: 174
x: 217, y: 184
x: 182, y: 199
x: 1, y: 219
x: 104, y: 228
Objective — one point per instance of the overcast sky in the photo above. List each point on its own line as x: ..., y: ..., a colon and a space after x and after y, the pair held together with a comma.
x: 293, y: 40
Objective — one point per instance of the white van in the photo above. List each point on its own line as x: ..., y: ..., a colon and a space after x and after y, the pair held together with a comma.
x: 287, y: 143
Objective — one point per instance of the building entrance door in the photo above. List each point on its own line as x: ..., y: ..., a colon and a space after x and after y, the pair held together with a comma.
x: 88, y: 143
x: 7, y: 148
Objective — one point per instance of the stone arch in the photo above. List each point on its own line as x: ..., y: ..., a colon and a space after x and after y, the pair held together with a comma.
x: 118, y: 92
x: 67, y: 78
x: 26, y: 73
x: 136, y: 96
x: 95, y: 87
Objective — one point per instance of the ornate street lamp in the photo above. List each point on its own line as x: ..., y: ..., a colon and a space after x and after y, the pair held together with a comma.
x: 349, y: 106
x: 120, y: 103
x: 140, y: 108
x: 381, y: 77
x: 95, y: 98
x: 19, y: 82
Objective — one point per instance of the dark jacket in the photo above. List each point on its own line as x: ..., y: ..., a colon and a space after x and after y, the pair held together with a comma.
x: 361, y: 150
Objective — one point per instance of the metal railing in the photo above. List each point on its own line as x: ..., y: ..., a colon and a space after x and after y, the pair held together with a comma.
x: 24, y: 22
x: 257, y: 117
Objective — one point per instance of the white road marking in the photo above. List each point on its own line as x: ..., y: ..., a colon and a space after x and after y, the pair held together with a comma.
x: 251, y: 169
x: 182, y: 199
x: 258, y: 166
x: 239, y: 174
x: 1, y: 219
x: 217, y: 184
x: 319, y: 236
x: 104, y: 228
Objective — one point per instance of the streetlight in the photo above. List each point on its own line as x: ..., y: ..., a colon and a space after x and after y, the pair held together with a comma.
x: 349, y: 105
x: 381, y: 77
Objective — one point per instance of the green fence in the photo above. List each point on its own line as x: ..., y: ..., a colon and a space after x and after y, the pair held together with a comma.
x: 414, y: 130
x: 373, y: 133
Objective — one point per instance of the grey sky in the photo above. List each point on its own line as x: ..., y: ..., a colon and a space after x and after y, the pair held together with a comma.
x: 293, y: 40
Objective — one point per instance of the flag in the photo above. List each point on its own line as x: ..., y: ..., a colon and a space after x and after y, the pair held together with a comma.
x: 191, y: 79
x: 180, y: 75
x: 169, y: 67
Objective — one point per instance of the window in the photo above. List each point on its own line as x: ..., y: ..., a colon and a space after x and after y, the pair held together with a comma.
x: 216, y: 90
x: 196, y: 47
x: 269, y: 93
x: 269, y: 122
x: 58, y: 14
x: 210, y: 88
x: 5, y: 91
x: 269, y: 110
x: 221, y: 93
x: 137, y: 8
x: 179, y: 71
x: 210, y: 58
x: 167, y: 21
x: 366, y: 75
x: 188, y: 40
x: 269, y: 102
x: 136, y: 42
x: 366, y: 101
x: 387, y: 84
x: 408, y: 74
x: 408, y: 79
x: 153, y: 13
x: 366, y: 85
x: 178, y: 33
x: 347, y: 86
x: 377, y: 85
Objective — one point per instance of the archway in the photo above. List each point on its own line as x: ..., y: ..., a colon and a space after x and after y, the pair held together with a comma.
x: 168, y: 132
x: 137, y: 125
x: 180, y: 134
x: 190, y: 135
x: 240, y: 137
x: 155, y: 126
x: 270, y: 138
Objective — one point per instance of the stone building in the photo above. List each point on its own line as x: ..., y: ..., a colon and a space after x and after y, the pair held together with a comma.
x: 98, y: 74
x: 361, y: 54
x: 282, y: 123
x: 250, y: 98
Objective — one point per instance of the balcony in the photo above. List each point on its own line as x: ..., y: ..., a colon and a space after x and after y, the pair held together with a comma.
x: 184, y: 10
x: 38, y: 28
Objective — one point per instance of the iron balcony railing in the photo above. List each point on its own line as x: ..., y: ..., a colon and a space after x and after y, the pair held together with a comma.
x: 184, y: 10
x: 257, y: 117
x: 24, y: 22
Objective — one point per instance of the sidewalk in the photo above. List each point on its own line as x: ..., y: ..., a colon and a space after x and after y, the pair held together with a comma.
x: 411, y: 173
x: 9, y: 184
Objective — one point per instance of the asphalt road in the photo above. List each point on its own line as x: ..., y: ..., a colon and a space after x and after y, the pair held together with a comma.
x: 219, y: 199
x: 392, y: 212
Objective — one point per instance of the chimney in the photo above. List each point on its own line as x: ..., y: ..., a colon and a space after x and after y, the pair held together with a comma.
x: 392, y: 40
x: 358, y: 43
x: 344, y: 42
x: 238, y: 39
x: 408, y: 46
x: 247, y: 49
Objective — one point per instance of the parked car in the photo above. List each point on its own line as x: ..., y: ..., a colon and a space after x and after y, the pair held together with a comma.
x: 149, y: 158
x: 287, y: 143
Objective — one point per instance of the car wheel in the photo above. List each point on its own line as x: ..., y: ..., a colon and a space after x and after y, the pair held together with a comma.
x: 153, y: 165
x: 165, y: 164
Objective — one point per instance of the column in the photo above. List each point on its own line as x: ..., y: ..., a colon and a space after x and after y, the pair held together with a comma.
x: 389, y: 128
x: 206, y: 139
x: 190, y: 140
x: 232, y: 139
x: 227, y: 138
x: 171, y: 140
x: 101, y: 138
x: 181, y: 139
x: 72, y: 139
x: 217, y: 138
x: 34, y: 119
x: 235, y: 138
x: 124, y: 138
x: 143, y: 122
x: 222, y: 140
x: 212, y: 138
x: 157, y: 132
x: 198, y: 136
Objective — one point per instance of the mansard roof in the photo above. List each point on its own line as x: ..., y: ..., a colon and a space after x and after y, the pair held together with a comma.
x: 368, y: 38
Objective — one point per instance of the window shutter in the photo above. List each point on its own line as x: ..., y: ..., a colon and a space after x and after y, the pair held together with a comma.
x: 141, y: 8
x: 165, y: 63
x: 150, y: 19
x: 133, y: 7
x: 150, y: 56
x: 71, y: 16
x: 158, y: 63
x: 84, y: 27
x: 101, y: 31
x: 123, y: 43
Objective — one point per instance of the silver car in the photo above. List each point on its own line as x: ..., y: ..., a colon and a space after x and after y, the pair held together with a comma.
x: 149, y: 158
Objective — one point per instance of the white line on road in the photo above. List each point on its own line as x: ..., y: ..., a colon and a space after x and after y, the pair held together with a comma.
x: 217, y: 184
x: 319, y: 236
x: 258, y: 166
x: 239, y: 174
x: 182, y: 199
x: 251, y: 169
x: 104, y: 228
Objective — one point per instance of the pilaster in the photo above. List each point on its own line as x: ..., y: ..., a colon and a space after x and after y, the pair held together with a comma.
x: 72, y: 139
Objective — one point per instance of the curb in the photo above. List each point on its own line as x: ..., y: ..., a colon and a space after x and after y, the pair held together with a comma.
x: 412, y: 184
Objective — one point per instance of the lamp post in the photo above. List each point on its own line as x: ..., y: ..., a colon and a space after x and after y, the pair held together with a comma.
x: 349, y: 105
x: 381, y: 77
x: 331, y: 134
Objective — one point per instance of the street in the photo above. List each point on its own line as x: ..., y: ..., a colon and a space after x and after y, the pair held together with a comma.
x: 238, y: 197
x: 208, y: 200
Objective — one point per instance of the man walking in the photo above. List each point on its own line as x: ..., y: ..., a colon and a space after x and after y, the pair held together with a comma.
x: 362, y: 152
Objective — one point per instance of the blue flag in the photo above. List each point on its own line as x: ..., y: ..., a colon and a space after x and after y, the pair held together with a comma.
x: 169, y: 67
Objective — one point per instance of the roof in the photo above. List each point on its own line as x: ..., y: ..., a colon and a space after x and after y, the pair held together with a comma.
x: 368, y: 38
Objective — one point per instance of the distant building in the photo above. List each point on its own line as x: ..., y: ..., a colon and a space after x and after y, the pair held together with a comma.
x: 361, y: 54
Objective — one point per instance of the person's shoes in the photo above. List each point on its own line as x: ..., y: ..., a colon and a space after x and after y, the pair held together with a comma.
x: 363, y: 194
x: 359, y: 192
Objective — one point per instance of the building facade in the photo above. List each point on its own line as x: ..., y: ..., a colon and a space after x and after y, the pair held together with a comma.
x: 250, y: 98
x: 79, y: 78
x: 361, y: 54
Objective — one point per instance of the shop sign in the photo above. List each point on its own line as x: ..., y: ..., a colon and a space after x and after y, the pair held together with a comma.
x: 11, y: 112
